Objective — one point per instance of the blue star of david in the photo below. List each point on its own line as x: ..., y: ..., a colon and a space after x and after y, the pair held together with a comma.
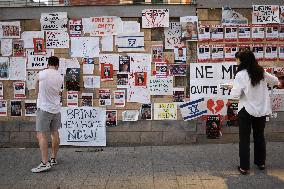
x: 193, y: 109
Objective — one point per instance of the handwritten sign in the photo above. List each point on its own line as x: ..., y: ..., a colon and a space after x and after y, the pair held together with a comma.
x: 54, y: 21
x: 154, y: 18
x: 265, y: 14
x: 10, y: 29
x: 130, y: 42
x: 84, y: 126
x: 173, y: 35
x: 38, y: 62
x: 161, y: 86
x: 165, y: 111
x: 102, y: 26
x: 57, y: 39
x: 31, y: 82
x: 17, y: 68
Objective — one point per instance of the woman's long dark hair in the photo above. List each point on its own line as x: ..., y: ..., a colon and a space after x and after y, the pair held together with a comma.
x: 249, y: 63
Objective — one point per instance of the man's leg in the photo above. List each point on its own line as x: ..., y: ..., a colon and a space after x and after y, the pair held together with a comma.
x: 55, y: 143
x: 54, y: 126
x: 43, y: 145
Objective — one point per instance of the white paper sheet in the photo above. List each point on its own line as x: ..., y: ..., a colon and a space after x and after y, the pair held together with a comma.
x: 27, y: 37
x: 6, y: 47
x: 107, y: 43
x: 85, y: 47
x: 18, y: 68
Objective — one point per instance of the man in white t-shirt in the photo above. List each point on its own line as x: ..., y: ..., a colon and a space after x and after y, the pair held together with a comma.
x: 48, y: 119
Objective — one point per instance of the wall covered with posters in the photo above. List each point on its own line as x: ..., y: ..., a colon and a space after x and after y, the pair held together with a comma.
x: 157, y: 79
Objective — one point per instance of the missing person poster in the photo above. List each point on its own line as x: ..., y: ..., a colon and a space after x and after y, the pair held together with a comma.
x: 204, y: 33
x: 177, y: 69
x: 3, y: 107
x: 178, y: 95
x: 111, y: 118
x: 244, y: 33
x: 189, y: 28
x: 270, y: 53
x: 4, y: 68
x: 231, y: 33
x: 271, y: 32
x: 257, y: 32
x: 72, y: 99
x: 73, y: 79
x: 180, y: 54
x: 39, y: 47
x: 217, y: 34
x: 258, y: 51
x: 18, y: 48
x: 281, y: 32
x: 104, y: 97
x: 19, y: 89
x: 30, y: 107
x: 146, y: 112
x: 106, y: 72
x: 230, y: 51
x: 122, y: 80
x: 140, y: 78
x: 217, y: 53
x: 157, y: 53
x: 10, y: 29
x: 119, y: 98
x: 87, y: 99
x: 16, y: 108
x: 161, y: 70
x: 124, y: 64
x: 75, y: 27
x: 204, y: 53
x: 281, y: 52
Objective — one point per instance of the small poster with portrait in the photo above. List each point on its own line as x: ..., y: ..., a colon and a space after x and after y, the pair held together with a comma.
x: 30, y: 108
x: 203, y: 53
x: 38, y: 46
x: 178, y: 95
x: 213, y: 127
x: 18, y: 47
x: 122, y: 80
x: 161, y: 70
x: 217, y: 53
x: 258, y: 51
x: 124, y: 64
x: 75, y: 27
x: 281, y: 32
x: 204, y: 33
x: 119, y: 98
x: 270, y: 53
x: 104, y: 97
x: 217, y: 34
x: 281, y: 52
x: 271, y: 32
x: 258, y: 32
x: 157, y: 53
x: 180, y: 54
x: 140, y: 78
x: 16, y: 108
x: 87, y: 99
x: 230, y: 51
x: 111, y: 118
x: 72, y: 99
x: 243, y: 47
x: 232, y: 114
x: 244, y: 33
x: 19, y: 89
x: 146, y: 112
x: 73, y: 79
x: 106, y: 72
x: 231, y: 33
x: 189, y: 28
x: 3, y: 108
x: 177, y: 69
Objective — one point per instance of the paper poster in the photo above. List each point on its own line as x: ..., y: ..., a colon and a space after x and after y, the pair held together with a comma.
x: 119, y: 98
x: 204, y: 33
x: 57, y: 39
x: 10, y: 29
x: 281, y: 51
x: 65, y: 63
x: 178, y: 95
x: 27, y: 37
x: 243, y: 47
x: 177, y: 69
x: 180, y: 54
x: 31, y: 79
x: 270, y: 52
x: 217, y: 33
x: 107, y: 43
x: 54, y: 21
x: 4, y: 68
x: 3, y: 107
x: 104, y: 97
x: 111, y: 118
x: 19, y: 89
x: 265, y: 14
x: 17, y: 68
x: 130, y: 26
x: 130, y: 115
x: 155, y: 18
x: 18, y: 48
x: 281, y: 32
x: 258, y: 32
x: 110, y: 59
x: 192, y: 51
x: 161, y: 86
x: 130, y: 42
x: 140, y: 78
x: 75, y: 27
x: 230, y: 51
x: 165, y: 111
x: 189, y: 28
x: 157, y: 53
x: 281, y: 14
x: 231, y: 33
x: 85, y: 47
x: 258, y: 51
x: 39, y: 47
x: 106, y: 72
x: 73, y: 79
x: 6, y: 47
x: 138, y: 94
x: 124, y: 64
x: 173, y: 35
x: 88, y: 65
x: 140, y: 62
x: 30, y: 107
x: 232, y: 17
x: 232, y: 114
x: 16, y: 108
x: 122, y: 80
x: 206, y: 79
x: 161, y: 70
x: 91, y: 82
x: 39, y: 62
x: 213, y: 127
x: 217, y: 53
x: 1, y: 90
x: 277, y: 102
x: 84, y: 126
x: 244, y: 33
x: 72, y: 99
x: 87, y: 99
x: 271, y: 33
x: 193, y: 109
x: 203, y: 53
x: 146, y: 111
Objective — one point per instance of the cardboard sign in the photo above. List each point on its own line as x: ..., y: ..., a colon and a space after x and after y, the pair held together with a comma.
x: 232, y: 17
x: 102, y: 26
x: 165, y: 111
x: 28, y: 36
x: 6, y: 47
x: 38, y: 62
x: 17, y: 69
x: 265, y: 14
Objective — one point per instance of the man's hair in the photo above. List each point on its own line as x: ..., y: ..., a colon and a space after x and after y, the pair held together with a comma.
x: 53, y: 61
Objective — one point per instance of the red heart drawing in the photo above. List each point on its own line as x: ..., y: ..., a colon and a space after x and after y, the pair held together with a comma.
x: 215, y: 107
x: 153, y: 18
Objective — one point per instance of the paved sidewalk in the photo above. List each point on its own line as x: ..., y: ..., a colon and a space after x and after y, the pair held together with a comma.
x: 148, y: 167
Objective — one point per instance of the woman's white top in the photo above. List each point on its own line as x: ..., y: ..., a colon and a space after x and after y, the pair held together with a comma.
x: 255, y: 99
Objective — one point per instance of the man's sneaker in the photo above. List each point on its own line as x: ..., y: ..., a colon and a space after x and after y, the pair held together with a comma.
x: 52, y: 161
x: 42, y: 167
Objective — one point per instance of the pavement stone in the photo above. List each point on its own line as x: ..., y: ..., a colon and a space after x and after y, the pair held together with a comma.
x: 144, y: 167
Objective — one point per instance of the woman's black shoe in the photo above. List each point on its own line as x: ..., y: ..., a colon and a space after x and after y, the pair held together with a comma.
x: 242, y: 171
